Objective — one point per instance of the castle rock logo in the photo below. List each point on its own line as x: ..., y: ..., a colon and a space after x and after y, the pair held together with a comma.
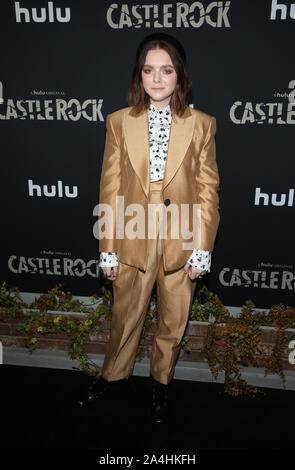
x: 52, y: 110
x: 168, y: 15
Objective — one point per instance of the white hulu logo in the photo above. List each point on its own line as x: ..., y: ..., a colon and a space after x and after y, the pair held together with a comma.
x: 21, y: 12
x: 60, y: 191
x: 1, y: 353
x: 1, y: 93
x: 274, y: 198
x: 275, y: 6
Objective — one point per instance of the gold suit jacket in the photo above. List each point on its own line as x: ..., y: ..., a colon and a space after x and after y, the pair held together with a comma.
x: 191, y: 177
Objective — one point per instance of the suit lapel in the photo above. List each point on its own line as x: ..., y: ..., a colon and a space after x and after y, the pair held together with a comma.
x: 137, y: 140
x: 181, y: 133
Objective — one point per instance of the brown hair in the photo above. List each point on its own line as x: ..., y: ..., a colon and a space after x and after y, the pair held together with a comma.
x: 181, y: 96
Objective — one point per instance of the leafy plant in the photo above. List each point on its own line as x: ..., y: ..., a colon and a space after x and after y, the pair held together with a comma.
x: 231, y: 342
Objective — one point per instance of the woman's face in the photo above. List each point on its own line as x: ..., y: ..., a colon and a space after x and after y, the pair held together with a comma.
x: 159, y: 77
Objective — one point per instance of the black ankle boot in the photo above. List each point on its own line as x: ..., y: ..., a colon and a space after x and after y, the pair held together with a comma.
x: 96, y: 390
x: 159, y: 401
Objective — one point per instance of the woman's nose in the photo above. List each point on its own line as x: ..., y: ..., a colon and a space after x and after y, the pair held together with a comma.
x: 157, y: 77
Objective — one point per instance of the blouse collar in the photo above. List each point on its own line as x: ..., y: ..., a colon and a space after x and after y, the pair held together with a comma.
x: 156, y: 112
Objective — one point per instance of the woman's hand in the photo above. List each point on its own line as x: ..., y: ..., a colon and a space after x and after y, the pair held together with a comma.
x: 193, y: 273
x: 110, y: 273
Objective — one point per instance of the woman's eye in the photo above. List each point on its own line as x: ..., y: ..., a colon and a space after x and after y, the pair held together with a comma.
x: 166, y: 71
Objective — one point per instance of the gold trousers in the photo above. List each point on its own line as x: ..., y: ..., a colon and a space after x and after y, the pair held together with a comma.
x: 131, y: 294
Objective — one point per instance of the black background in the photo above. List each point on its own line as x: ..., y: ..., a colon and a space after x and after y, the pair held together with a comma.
x: 86, y: 58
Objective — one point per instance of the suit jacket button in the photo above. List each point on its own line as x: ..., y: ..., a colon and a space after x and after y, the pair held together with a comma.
x: 167, y: 202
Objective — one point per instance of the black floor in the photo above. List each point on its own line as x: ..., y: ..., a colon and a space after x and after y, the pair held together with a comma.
x: 39, y: 413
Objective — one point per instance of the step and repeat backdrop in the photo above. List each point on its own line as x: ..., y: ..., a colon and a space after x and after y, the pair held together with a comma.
x: 65, y: 65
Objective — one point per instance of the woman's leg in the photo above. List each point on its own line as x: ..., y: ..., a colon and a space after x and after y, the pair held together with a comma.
x: 175, y: 292
x: 132, y: 292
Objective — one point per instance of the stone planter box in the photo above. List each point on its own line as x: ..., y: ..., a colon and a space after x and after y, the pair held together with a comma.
x: 196, y: 332
x: 52, y: 350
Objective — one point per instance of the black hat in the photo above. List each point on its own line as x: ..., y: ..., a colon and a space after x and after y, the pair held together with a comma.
x: 156, y: 37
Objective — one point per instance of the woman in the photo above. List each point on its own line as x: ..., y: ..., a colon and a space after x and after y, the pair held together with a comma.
x: 159, y: 153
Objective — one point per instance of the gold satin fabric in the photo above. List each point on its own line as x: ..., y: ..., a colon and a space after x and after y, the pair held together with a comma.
x: 132, y: 292
x: 190, y: 178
